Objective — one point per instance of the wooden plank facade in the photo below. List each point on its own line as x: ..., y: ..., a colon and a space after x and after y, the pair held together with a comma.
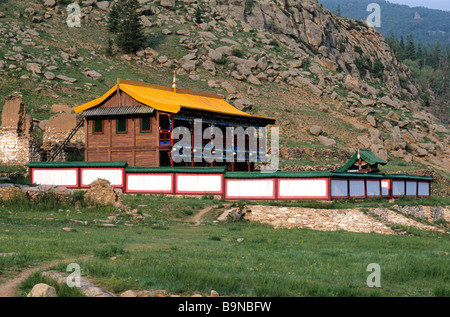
x: 135, y: 145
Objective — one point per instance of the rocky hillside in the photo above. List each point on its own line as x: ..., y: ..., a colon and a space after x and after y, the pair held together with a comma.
x: 332, y: 83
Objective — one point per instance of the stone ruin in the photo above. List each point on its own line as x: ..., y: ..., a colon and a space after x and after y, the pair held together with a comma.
x: 18, y: 144
x: 56, y: 130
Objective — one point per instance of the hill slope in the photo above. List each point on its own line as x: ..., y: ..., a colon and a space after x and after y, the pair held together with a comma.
x: 426, y: 25
x: 293, y: 60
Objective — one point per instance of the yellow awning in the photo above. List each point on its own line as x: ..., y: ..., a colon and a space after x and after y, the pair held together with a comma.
x: 166, y: 100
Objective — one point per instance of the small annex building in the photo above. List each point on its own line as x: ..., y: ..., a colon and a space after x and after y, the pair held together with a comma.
x: 133, y: 122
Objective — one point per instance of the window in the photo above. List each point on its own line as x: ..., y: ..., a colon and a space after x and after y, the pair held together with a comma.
x: 97, y: 127
x: 121, y: 126
x: 146, y: 125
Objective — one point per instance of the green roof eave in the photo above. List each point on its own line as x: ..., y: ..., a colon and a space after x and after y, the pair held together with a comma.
x: 278, y: 174
x: 358, y: 175
x: 409, y: 177
x: 121, y: 164
x: 177, y: 169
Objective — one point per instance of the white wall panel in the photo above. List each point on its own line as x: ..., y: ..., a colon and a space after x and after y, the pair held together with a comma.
x: 303, y: 188
x: 114, y: 176
x: 254, y: 188
x: 56, y: 177
x: 149, y: 182
x: 199, y: 183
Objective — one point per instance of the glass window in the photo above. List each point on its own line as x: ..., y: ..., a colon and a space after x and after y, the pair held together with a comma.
x: 146, y: 124
x: 121, y: 125
x: 97, y: 127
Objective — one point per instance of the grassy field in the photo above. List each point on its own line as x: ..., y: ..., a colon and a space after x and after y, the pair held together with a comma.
x: 165, y: 250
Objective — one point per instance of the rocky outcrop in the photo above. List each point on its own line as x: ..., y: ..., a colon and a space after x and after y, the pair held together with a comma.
x: 309, y: 28
x: 353, y: 220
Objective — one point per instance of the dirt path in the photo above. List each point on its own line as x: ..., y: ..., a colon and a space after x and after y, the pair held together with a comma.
x: 198, y: 217
x: 9, y: 288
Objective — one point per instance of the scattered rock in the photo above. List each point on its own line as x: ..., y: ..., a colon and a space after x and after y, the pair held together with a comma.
x: 228, y: 87
x: 103, y: 5
x: 129, y: 293
x: 68, y: 79
x: 389, y: 102
x: 34, y: 67
x: 372, y: 121
x: 253, y: 80
x: 168, y: 4
x: 368, y: 102
x: 351, y: 83
x: 316, y: 130
x: 42, y: 290
x: 326, y: 141
x: 184, y: 32
x: 49, y: 3
x: 49, y: 75
x: 214, y: 293
x: 243, y: 104
x: 92, y: 74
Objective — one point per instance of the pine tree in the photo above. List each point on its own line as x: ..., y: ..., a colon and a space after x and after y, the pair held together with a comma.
x: 130, y: 32
x: 401, y: 53
x: 338, y: 12
x: 114, y: 16
x: 419, y: 55
x: 410, y: 50
x: 435, y: 61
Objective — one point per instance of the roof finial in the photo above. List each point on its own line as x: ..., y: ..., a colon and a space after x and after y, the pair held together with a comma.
x: 359, y: 156
x: 174, y: 82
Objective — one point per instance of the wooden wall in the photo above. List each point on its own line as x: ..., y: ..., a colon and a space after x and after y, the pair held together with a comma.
x: 136, y: 147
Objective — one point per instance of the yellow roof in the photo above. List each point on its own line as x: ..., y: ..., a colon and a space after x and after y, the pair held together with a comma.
x: 166, y: 100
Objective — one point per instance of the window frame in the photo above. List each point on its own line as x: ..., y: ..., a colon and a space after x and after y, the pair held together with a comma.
x: 126, y: 126
x: 140, y: 125
x: 94, y: 125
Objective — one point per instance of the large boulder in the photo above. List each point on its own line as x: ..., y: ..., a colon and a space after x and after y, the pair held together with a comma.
x: 326, y: 141
x: 168, y: 3
x: 316, y: 130
x: 101, y: 192
x: 42, y: 290
x: 390, y: 103
x: 243, y: 104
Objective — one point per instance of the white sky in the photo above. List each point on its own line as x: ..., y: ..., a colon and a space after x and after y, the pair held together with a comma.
x: 432, y: 4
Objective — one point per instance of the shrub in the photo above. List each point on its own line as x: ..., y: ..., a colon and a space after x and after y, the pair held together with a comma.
x: 109, y: 251
x: 378, y: 69
x: 222, y: 61
x: 237, y: 52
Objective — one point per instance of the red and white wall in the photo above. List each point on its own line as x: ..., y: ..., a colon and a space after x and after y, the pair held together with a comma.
x: 270, y: 188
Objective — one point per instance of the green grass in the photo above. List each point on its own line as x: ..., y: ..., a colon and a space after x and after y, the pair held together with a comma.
x: 62, y: 290
x: 184, y: 259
